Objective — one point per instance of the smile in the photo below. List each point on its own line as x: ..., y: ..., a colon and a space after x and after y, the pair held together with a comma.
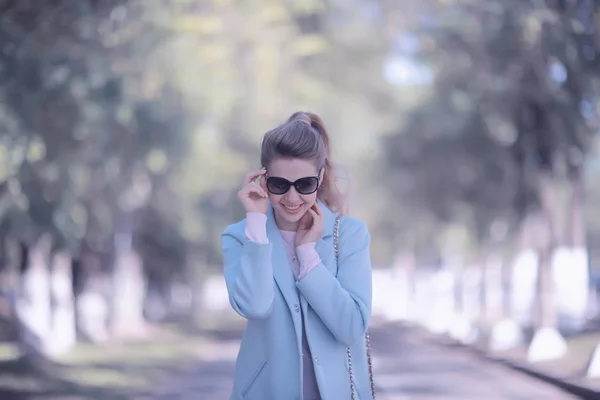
x: 292, y: 209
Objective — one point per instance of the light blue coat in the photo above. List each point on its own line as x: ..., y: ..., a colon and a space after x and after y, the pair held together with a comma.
x: 334, y: 297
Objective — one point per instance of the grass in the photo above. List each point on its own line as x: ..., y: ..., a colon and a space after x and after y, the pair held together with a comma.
x: 571, y: 367
x: 112, y: 371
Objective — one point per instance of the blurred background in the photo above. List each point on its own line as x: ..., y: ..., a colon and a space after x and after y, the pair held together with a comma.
x: 469, y: 128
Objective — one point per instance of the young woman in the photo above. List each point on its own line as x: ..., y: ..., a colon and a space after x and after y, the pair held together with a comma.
x: 307, y: 311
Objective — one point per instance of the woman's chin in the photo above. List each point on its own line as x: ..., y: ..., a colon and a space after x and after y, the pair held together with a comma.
x: 291, y: 216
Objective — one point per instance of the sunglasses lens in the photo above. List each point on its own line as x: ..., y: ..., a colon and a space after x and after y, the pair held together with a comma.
x: 278, y: 185
x: 307, y: 185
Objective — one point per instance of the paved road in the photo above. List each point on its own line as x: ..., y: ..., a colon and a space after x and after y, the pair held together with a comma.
x: 412, y: 368
x: 406, y: 367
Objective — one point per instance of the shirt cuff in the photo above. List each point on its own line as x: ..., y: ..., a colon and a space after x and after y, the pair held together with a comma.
x: 308, y: 258
x: 256, y: 227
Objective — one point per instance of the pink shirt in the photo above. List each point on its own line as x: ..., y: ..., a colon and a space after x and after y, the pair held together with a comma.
x: 256, y: 230
x: 302, y: 259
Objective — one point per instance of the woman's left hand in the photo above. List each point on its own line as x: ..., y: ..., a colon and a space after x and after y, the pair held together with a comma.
x: 310, y: 227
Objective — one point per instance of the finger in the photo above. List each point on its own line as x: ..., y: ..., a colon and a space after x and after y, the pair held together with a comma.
x: 305, y: 221
x: 306, y: 216
x: 251, y: 189
x: 302, y: 225
x: 314, y: 220
x: 317, y: 209
x: 251, y: 185
x: 254, y: 188
x: 263, y: 182
x: 318, y: 218
x: 253, y: 175
x: 260, y: 188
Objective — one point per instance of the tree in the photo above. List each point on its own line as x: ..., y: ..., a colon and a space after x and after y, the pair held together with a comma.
x: 517, y: 74
x: 93, y: 132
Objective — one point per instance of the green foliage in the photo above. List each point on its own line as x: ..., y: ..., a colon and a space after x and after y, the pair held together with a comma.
x: 513, y: 99
x: 446, y: 113
x: 92, y: 132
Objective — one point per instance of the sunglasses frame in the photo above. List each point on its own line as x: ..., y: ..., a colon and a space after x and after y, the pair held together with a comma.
x: 318, y: 178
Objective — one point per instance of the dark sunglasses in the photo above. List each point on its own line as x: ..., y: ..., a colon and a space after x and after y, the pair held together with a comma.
x: 306, y: 185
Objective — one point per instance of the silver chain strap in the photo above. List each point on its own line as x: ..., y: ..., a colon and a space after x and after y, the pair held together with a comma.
x: 336, y: 246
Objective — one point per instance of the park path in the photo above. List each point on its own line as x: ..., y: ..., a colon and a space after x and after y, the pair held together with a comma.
x: 407, y: 367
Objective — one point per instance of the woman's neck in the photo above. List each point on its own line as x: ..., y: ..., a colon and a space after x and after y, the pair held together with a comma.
x: 284, y: 225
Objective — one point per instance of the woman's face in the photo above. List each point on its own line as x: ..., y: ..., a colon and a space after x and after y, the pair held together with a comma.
x: 289, y: 207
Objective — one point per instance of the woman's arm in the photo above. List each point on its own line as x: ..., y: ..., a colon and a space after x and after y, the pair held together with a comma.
x: 248, y: 269
x: 344, y: 302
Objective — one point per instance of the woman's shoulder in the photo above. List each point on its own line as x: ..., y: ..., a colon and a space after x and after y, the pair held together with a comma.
x: 350, y: 225
x: 237, y: 230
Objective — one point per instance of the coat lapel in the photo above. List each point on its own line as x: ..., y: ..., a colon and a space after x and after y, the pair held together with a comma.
x: 282, y: 269
x: 324, y: 245
x: 282, y: 272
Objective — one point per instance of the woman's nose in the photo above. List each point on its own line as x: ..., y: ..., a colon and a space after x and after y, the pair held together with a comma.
x: 292, y: 195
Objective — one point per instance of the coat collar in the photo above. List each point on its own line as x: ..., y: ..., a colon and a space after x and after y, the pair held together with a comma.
x: 328, y: 223
x: 282, y: 270
x: 324, y: 245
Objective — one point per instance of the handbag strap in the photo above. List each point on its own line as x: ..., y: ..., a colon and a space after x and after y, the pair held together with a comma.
x: 336, y: 247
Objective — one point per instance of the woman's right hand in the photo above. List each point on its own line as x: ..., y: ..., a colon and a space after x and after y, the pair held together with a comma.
x: 253, y: 196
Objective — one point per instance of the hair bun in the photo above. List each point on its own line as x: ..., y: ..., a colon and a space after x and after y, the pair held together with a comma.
x: 301, y: 116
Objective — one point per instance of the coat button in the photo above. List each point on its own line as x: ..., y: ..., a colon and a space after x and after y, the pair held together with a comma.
x: 317, y: 360
x: 296, y: 308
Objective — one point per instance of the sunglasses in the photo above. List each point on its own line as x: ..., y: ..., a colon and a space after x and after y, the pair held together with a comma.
x: 306, y: 185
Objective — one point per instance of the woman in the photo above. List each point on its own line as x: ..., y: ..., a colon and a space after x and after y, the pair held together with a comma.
x: 307, y: 312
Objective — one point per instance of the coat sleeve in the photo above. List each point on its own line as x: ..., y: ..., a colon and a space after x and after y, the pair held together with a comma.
x: 344, y: 302
x: 248, y: 274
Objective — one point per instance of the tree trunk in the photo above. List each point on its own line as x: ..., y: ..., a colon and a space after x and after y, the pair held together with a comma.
x: 459, y: 289
x: 89, y: 288
x: 33, y: 298
x: 507, y: 289
x: 129, y: 286
x: 492, y: 287
x: 546, y: 308
x: 410, y: 268
x: 6, y: 289
x: 404, y: 272
x: 12, y: 259
x: 523, y: 275
x: 5, y: 269
x: 570, y: 264
x: 548, y: 238
x: 197, y: 276
x: 547, y: 343
x: 506, y: 334
x: 472, y: 282
x: 576, y: 234
x: 462, y: 325
x: 63, y: 335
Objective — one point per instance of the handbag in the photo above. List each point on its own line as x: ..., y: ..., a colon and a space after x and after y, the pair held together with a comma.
x: 336, y: 246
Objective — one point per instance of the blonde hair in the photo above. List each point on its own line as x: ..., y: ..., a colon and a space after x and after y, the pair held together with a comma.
x: 304, y: 136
